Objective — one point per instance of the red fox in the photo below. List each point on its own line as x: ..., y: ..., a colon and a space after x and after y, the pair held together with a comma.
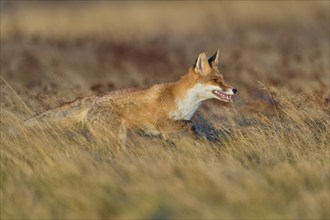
x: 157, y: 110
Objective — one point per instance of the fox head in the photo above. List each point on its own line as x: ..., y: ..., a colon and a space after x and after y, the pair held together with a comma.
x: 210, y: 80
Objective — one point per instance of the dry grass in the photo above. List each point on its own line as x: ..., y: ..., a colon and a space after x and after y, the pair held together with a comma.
x: 273, y: 162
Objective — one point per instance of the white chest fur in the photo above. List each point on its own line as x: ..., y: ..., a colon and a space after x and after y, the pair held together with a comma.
x: 187, y: 106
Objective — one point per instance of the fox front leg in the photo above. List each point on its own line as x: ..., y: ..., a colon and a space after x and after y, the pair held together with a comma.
x: 186, y: 124
x: 171, y: 129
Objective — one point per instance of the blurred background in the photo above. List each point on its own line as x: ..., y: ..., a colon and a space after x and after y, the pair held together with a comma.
x: 274, y: 162
x: 71, y: 48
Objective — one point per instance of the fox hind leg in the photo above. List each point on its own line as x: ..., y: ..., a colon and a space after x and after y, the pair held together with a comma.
x: 122, y: 134
x: 103, y: 124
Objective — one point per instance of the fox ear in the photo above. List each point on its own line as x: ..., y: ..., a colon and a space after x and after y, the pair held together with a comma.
x: 201, y: 65
x: 214, y: 60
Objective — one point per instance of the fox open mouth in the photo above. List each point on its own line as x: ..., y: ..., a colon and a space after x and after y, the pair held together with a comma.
x: 222, y: 96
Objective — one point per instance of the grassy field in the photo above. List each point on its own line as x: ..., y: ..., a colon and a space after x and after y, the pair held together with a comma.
x: 272, y: 159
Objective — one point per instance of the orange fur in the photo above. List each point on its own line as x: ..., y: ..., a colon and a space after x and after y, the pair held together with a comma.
x: 156, y: 110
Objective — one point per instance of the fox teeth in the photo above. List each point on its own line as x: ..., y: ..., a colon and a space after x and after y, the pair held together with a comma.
x: 222, y: 95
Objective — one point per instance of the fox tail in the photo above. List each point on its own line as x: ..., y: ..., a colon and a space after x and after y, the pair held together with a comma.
x: 70, y: 112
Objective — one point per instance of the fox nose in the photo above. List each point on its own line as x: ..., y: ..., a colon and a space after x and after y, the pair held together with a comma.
x: 235, y: 91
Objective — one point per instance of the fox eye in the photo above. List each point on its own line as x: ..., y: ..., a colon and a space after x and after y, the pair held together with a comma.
x: 215, y: 80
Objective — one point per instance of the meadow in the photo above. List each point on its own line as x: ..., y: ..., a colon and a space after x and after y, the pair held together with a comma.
x: 271, y: 156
